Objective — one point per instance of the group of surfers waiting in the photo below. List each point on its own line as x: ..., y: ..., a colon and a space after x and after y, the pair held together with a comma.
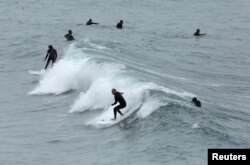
x: 52, y: 53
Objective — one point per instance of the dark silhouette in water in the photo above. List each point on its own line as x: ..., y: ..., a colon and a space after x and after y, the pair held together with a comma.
x: 69, y: 36
x: 120, y: 24
x: 52, y: 56
x: 197, y: 33
x: 91, y: 23
x: 196, y: 102
x: 118, y: 98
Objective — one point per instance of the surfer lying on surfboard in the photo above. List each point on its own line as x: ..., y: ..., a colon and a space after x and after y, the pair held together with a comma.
x: 118, y: 98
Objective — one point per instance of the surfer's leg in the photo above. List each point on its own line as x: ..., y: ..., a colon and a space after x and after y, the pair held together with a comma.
x: 117, y: 109
x: 115, y: 113
x: 47, y: 64
x: 53, y: 61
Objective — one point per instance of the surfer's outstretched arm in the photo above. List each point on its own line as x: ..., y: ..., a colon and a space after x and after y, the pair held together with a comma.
x: 46, y: 55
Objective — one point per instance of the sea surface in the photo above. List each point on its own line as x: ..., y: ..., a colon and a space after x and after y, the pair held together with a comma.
x: 62, y: 116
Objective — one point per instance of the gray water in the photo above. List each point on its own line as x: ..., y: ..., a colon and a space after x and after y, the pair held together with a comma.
x: 54, y: 118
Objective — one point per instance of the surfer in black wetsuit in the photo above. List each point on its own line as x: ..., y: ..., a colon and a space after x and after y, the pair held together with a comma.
x: 69, y: 36
x: 91, y: 23
x: 196, y: 102
x: 197, y: 33
x: 120, y: 24
x: 52, y: 56
x: 118, y: 98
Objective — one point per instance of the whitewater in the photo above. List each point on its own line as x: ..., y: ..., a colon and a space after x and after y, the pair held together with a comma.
x: 62, y: 115
x: 94, y: 77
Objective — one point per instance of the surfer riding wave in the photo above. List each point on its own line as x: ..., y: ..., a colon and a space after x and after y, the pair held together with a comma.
x: 118, y: 98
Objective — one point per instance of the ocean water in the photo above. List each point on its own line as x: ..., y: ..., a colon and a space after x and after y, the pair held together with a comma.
x: 56, y: 117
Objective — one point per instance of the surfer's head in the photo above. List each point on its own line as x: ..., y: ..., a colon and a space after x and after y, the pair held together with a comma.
x: 70, y: 31
x: 194, y: 99
x: 113, y: 91
x: 50, y: 46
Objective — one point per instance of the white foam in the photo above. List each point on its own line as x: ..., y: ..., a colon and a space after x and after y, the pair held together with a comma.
x: 94, y: 78
x: 97, y: 96
x: 150, y: 106
x: 74, y: 72
x: 195, y: 126
x: 61, y: 78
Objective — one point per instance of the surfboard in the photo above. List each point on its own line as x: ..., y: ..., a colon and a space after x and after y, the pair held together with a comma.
x: 105, y: 119
x: 111, y: 121
x: 33, y: 72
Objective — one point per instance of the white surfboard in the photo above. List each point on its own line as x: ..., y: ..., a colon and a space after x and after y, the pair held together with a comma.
x: 106, y: 118
x: 33, y: 72
x: 111, y: 120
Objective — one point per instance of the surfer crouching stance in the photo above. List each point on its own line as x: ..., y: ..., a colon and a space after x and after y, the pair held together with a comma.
x: 118, y: 98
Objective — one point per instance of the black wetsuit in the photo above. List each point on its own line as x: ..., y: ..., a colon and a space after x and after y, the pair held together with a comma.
x: 52, y: 56
x: 69, y: 37
x: 119, y: 25
x: 197, y: 103
x: 196, y: 33
x: 119, y: 98
x: 91, y: 23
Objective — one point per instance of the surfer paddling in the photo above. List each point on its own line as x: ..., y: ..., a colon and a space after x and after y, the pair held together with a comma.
x: 91, y: 23
x: 122, y: 103
x: 197, y: 33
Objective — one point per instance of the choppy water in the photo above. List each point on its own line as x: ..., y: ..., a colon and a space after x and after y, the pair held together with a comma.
x: 54, y: 118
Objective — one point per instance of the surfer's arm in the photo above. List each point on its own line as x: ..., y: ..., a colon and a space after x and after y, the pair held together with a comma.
x: 115, y: 101
x: 46, y: 55
x: 56, y: 54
